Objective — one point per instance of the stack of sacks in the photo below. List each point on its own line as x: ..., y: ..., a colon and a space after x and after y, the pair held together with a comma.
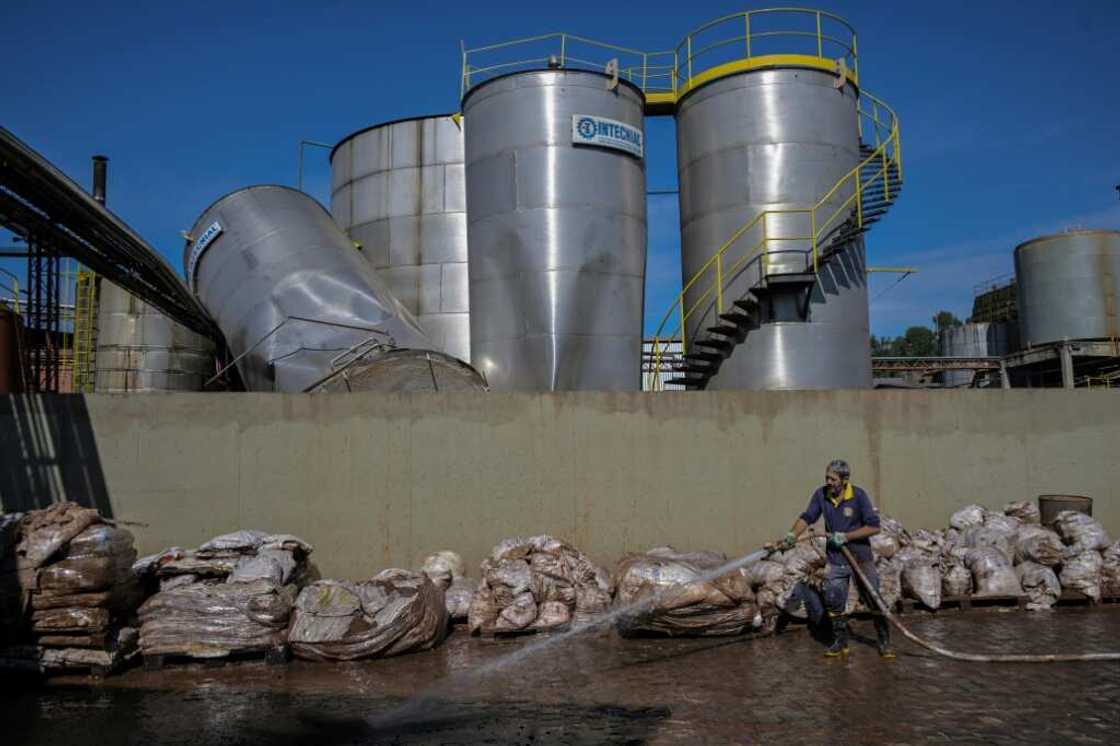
x: 72, y: 591
x: 1038, y: 551
x: 1083, y: 562
x: 536, y: 584
x: 394, y: 612
x: 1110, y: 571
x: 669, y: 597
x: 233, y: 594
x: 445, y: 568
x: 772, y: 580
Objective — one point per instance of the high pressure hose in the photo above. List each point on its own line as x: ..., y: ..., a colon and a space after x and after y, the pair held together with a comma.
x: 975, y: 657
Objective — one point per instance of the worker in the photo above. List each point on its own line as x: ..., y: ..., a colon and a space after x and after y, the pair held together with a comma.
x: 851, y: 520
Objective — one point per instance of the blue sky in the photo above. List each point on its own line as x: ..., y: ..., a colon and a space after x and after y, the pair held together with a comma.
x: 1009, y: 110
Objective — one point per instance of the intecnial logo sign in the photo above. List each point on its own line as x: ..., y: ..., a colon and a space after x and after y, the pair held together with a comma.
x: 607, y: 133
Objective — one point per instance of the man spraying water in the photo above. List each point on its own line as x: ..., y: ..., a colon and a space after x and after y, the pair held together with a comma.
x: 851, y: 520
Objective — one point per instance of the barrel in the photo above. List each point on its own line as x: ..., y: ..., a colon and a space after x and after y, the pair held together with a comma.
x: 1050, y: 505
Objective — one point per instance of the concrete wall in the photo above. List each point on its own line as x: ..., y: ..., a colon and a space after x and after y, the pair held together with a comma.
x: 375, y: 480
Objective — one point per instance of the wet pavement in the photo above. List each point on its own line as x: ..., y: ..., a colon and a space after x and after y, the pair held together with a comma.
x: 602, y: 689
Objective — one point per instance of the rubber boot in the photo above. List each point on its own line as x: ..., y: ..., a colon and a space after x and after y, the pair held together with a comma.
x: 883, y: 632
x: 839, y: 644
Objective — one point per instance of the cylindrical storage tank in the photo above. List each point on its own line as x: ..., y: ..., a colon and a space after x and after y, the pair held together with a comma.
x: 293, y: 298
x: 141, y: 350
x: 974, y: 339
x: 557, y: 231
x: 398, y: 189
x: 769, y: 140
x: 1068, y: 286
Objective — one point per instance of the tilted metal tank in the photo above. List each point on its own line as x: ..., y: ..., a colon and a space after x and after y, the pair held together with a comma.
x: 141, y: 350
x: 398, y: 188
x: 974, y: 339
x: 1068, y: 286
x: 295, y: 301
x: 556, y: 220
x: 772, y: 139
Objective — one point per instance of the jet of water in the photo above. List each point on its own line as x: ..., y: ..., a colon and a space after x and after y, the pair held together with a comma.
x: 418, y: 702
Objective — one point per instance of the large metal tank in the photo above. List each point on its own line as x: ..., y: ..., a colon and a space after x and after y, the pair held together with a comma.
x: 1069, y: 285
x: 974, y: 339
x: 141, y: 350
x: 768, y: 140
x: 398, y: 188
x: 557, y: 232
x: 293, y: 298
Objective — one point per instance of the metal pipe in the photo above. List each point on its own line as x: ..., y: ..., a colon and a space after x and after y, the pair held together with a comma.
x: 100, y: 177
x: 302, y: 144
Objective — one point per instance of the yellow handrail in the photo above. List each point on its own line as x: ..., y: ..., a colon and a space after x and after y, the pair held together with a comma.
x: 886, y: 159
x: 828, y: 41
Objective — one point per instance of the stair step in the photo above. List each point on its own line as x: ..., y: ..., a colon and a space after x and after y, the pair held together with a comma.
x: 726, y: 331
x: 750, y: 305
x: 738, y: 319
x: 715, y: 344
x: 688, y: 383
x: 709, y: 357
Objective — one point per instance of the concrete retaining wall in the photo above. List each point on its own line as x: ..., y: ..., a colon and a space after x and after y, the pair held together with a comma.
x: 375, y: 480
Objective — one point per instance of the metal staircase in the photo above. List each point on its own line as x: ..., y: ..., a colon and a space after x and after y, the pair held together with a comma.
x: 865, y: 194
x: 85, y: 330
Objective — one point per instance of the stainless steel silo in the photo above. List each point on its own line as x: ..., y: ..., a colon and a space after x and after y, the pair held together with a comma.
x: 398, y: 188
x: 556, y: 221
x: 1068, y: 286
x: 293, y: 298
x: 141, y: 350
x: 974, y: 339
x: 767, y: 140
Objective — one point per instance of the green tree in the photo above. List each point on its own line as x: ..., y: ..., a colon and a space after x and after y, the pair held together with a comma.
x: 945, y: 320
x: 918, y: 341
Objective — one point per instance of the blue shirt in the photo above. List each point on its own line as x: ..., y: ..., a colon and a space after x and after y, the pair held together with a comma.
x: 851, y: 510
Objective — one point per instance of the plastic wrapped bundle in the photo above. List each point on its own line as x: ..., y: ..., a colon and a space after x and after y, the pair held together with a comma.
x: 394, y: 612
x: 1083, y: 573
x: 457, y: 598
x: 992, y: 573
x: 69, y: 585
x: 679, y: 602
x: 1110, y: 571
x: 929, y: 542
x: 890, y: 581
x: 982, y: 536
x: 535, y: 584
x: 1033, y: 543
x: 1040, y: 584
x: 232, y: 595
x: 921, y: 581
x: 443, y: 567
x: 956, y: 579
x: 1080, y: 532
x: 1025, y: 511
x: 214, y: 620
x: 967, y: 517
x: 1002, y: 523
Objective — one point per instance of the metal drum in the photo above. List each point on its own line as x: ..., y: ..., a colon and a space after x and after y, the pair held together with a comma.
x: 1069, y: 286
x: 557, y: 231
x: 974, y: 339
x: 141, y: 350
x: 398, y: 189
x: 293, y: 298
x: 770, y: 140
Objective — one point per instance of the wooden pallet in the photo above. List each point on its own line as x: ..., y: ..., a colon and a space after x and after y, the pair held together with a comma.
x: 964, y: 603
x: 273, y: 656
x: 1077, y: 598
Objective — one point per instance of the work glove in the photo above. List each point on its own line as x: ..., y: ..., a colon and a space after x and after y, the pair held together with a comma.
x: 838, y: 539
x: 788, y: 541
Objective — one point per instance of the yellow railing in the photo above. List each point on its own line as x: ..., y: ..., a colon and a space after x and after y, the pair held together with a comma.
x: 727, y: 44
x: 650, y: 71
x: 881, y: 170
